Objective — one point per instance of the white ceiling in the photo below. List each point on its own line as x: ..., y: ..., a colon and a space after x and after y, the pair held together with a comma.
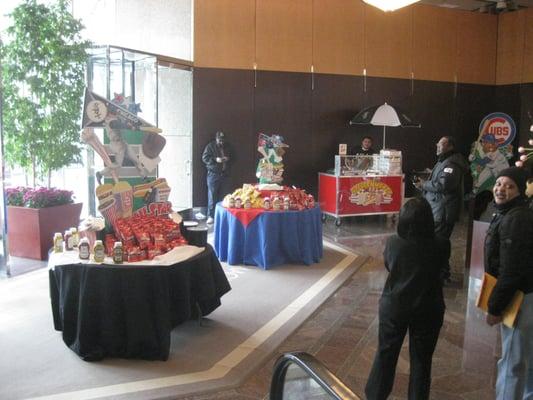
x: 475, y: 5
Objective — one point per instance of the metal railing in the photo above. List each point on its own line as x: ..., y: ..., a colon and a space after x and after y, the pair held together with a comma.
x: 299, y: 375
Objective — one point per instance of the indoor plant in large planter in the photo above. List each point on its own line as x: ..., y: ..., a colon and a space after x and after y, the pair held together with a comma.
x: 34, y: 215
x: 42, y: 61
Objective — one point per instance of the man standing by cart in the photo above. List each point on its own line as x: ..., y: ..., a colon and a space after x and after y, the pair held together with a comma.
x: 364, y: 149
x: 444, y: 188
x: 215, y: 157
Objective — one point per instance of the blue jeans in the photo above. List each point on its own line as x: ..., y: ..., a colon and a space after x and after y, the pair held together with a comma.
x: 515, y: 368
x: 214, y: 192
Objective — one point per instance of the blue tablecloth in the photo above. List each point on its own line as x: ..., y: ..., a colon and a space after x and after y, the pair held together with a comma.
x: 270, y: 239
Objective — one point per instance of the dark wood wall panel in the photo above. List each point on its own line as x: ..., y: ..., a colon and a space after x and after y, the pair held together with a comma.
x: 223, y: 100
x: 283, y: 106
x: 507, y: 99
x: 336, y: 98
x: 433, y: 104
x: 526, y: 118
x: 314, y: 120
x: 472, y: 103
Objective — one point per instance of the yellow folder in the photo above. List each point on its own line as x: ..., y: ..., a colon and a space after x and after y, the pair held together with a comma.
x: 512, y: 309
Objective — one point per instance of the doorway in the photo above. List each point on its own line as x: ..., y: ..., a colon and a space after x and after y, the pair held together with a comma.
x: 174, y: 104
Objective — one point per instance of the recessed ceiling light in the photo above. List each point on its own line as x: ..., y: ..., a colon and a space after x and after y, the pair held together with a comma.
x: 501, y: 4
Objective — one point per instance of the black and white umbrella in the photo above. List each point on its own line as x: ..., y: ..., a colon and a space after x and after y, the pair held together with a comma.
x: 383, y: 115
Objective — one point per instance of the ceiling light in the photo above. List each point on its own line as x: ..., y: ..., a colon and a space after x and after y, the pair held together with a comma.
x: 501, y: 5
x: 390, y: 5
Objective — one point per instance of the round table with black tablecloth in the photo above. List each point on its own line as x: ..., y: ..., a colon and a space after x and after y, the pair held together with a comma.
x: 128, y: 311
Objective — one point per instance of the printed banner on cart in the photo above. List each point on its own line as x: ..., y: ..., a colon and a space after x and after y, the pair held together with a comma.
x: 378, y: 194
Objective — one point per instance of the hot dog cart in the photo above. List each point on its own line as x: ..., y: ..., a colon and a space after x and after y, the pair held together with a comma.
x: 362, y: 185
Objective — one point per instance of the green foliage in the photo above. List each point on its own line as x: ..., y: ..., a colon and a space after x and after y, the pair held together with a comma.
x: 43, y: 77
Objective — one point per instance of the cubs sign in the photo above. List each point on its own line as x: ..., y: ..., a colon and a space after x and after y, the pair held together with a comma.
x: 500, y: 125
x: 490, y: 153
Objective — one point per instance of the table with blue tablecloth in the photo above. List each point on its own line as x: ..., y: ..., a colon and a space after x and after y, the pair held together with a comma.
x: 270, y: 238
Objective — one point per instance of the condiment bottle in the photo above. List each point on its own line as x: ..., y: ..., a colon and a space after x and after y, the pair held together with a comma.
x: 99, y: 251
x: 84, y: 249
x: 75, y: 237
x: 68, y: 240
x: 58, y: 242
x: 118, y: 254
x: 276, y: 204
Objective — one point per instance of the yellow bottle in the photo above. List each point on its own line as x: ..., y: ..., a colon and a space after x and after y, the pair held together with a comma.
x: 118, y: 255
x: 75, y: 237
x: 99, y: 251
x: 58, y: 242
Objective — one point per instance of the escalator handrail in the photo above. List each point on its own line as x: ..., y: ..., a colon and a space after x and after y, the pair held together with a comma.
x: 316, y: 369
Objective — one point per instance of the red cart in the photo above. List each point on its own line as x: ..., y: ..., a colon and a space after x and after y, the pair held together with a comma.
x: 346, y: 196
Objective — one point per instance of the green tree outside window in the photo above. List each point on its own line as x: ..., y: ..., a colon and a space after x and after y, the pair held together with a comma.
x: 43, y: 63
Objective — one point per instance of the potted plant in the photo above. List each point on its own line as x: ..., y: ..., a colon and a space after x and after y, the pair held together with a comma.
x: 39, y: 213
x: 42, y: 61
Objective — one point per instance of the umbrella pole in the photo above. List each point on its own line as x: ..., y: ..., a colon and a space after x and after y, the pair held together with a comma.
x: 384, y: 127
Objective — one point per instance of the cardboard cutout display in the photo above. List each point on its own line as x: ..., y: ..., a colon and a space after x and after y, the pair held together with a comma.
x: 130, y: 142
x: 270, y: 166
x: 491, y: 152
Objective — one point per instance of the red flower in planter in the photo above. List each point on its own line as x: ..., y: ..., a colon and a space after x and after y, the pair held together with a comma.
x: 38, y: 197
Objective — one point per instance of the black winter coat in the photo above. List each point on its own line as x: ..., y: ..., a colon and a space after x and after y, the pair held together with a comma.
x: 414, y: 286
x: 210, y: 154
x: 509, y: 253
x: 444, y: 189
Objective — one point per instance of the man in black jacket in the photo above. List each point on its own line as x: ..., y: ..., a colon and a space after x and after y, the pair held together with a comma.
x: 215, y: 157
x: 444, y: 188
x: 509, y: 258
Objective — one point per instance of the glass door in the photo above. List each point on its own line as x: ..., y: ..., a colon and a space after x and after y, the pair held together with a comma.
x: 174, y: 105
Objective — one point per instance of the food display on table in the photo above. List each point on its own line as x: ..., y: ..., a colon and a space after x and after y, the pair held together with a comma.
x: 144, y: 237
x: 283, y: 198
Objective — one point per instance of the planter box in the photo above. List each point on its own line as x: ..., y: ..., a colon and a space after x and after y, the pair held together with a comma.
x: 30, y: 231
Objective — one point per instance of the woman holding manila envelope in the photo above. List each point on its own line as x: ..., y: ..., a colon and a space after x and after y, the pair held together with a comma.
x: 509, y: 259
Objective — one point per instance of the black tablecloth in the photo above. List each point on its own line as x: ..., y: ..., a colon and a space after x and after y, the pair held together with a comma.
x: 129, y: 311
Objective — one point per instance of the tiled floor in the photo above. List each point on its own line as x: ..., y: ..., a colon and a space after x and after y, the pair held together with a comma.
x: 343, y: 331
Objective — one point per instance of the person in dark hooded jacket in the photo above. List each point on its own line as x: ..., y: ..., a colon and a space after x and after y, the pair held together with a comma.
x: 412, y: 300
x: 509, y: 258
x: 216, y: 157
x: 444, y: 189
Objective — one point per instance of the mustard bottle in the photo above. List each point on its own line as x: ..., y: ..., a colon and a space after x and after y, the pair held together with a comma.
x: 118, y: 255
x: 99, y: 251
x: 75, y: 237
x: 58, y: 242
